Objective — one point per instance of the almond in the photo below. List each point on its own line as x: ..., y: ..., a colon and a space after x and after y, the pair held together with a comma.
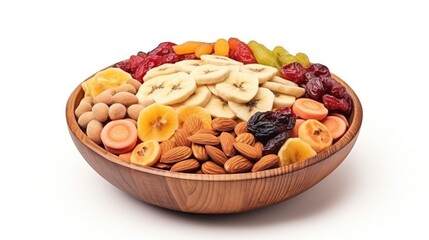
x: 210, y: 167
x: 189, y: 165
x: 161, y: 165
x: 181, y: 138
x: 266, y: 162
x: 204, y: 139
x: 238, y: 164
x: 208, y: 131
x: 192, y: 124
x: 248, y: 151
x: 199, y: 152
x: 176, y: 154
x: 216, y: 155
x: 259, y: 146
x: 222, y: 124
x: 167, y: 145
x: 241, y: 127
x: 246, y: 138
x: 226, y: 143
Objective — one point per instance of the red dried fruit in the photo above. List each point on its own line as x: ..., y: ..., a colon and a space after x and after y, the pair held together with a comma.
x: 142, y: 54
x: 190, y: 56
x: 319, y: 70
x: 150, y: 62
x: 124, y: 65
x: 334, y: 104
x: 314, y: 89
x: 293, y: 72
x: 170, y: 58
x: 135, y: 62
x: 242, y: 53
x: 162, y: 49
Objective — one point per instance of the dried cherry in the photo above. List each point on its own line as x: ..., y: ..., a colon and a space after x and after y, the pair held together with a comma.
x: 274, y: 144
x: 293, y: 72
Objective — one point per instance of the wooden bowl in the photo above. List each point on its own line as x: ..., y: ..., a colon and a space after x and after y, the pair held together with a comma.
x: 213, y: 194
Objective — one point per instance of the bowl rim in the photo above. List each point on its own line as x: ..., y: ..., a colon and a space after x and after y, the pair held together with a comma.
x: 355, y: 122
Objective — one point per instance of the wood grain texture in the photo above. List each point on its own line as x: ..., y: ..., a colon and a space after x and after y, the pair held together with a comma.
x: 213, y: 194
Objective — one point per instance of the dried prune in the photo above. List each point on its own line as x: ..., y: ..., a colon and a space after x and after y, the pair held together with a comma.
x: 266, y: 125
x: 273, y: 145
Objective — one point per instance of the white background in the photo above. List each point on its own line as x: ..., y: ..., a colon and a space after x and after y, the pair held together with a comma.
x: 379, y: 47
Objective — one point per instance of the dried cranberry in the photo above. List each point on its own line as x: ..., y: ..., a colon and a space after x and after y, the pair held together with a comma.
x: 314, y: 89
x: 148, y: 63
x: 334, y: 104
x: 162, y: 49
x: 293, y: 72
x: 274, y: 144
x: 135, y: 62
x: 190, y: 56
x: 124, y: 65
x: 142, y: 54
x: 170, y: 58
x: 319, y: 70
x: 266, y: 125
x: 242, y: 53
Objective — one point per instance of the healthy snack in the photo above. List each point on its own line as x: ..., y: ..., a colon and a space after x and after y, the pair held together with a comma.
x: 218, y: 107
x: 316, y: 134
x: 295, y: 150
x: 157, y: 122
x: 119, y: 136
x: 146, y: 153
x: 336, y: 125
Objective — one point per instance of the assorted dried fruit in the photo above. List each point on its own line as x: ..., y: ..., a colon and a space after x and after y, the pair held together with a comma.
x: 214, y: 107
